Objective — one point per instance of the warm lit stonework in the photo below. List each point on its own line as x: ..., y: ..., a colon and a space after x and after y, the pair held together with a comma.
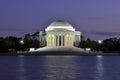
x: 60, y: 33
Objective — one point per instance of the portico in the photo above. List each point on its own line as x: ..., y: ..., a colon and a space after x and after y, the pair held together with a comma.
x: 61, y: 33
x: 60, y: 40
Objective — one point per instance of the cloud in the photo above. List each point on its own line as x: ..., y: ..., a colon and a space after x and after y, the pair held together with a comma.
x: 10, y: 29
x: 100, y: 33
x: 107, y: 33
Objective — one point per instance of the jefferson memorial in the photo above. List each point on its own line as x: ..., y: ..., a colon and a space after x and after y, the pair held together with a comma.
x: 60, y: 34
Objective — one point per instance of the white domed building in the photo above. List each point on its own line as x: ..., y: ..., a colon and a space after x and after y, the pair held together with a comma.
x: 60, y: 34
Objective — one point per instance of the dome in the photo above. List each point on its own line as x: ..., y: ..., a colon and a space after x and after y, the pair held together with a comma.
x: 60, y: 25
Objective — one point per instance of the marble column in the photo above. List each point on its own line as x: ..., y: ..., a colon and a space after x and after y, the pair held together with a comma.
x: 68, y: 40
x: 50, y: 40
x: 56, y: 40
x: 47, y: 40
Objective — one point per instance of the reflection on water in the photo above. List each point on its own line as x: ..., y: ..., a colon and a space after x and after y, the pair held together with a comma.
x: 21, y: 68
x: 59, y: 67
x: 99, y: 68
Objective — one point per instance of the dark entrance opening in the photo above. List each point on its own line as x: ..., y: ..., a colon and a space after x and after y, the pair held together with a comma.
x: 59, y: 40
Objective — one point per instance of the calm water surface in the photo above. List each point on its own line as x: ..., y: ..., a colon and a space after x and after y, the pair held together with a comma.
x: 59, y: 67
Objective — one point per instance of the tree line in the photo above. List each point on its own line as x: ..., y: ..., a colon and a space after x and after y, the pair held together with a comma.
x: 14, y: 44
x: 107, y: 45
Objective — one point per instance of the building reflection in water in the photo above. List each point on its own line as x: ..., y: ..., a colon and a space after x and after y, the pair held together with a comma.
x: 60, y: 68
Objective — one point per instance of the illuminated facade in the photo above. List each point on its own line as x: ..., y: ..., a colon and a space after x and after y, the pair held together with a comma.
x: 61, y: 33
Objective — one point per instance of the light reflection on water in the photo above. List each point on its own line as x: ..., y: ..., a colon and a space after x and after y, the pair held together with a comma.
x: 59, y: 67
x: 21, y: 68
x: 99, y: 68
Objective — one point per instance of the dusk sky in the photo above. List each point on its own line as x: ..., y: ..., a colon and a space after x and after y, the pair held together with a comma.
x: 96, y: 19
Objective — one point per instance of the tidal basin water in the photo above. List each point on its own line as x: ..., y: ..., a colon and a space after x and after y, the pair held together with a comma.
x: 59, y: 67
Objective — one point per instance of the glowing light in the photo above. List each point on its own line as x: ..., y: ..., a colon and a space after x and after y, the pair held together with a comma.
x: 22, y: 42
x: 52, y: 35
x: 99, y: 41
x: 67, y: 35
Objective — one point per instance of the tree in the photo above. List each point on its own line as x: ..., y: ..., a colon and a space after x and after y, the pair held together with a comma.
x: 31, y: 41
x: 35, y: 35
x: 12, y: 43
x: 111, y: 45
x: 2, y: 46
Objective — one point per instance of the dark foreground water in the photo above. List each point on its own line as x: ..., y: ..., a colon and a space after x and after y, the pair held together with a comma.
x: 59, y: 67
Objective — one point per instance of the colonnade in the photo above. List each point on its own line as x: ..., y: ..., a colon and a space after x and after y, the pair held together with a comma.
x: 59, y: 40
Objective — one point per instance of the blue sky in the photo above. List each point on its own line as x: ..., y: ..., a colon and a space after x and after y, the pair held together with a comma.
x: 96, y: 19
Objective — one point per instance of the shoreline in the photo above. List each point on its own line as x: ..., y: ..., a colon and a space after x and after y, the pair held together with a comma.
x: 59, y: 53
